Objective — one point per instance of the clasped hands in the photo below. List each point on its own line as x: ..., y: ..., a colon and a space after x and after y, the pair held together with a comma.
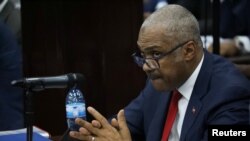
x: 100, y: 129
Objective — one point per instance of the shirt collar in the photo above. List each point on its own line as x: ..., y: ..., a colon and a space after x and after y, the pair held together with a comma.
x: 187, y: 88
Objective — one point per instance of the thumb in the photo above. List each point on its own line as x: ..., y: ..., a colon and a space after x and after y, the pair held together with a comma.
x: 121, y: 119
x: 124, y: 131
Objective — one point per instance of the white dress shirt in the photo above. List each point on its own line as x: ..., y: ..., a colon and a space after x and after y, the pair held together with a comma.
x: 186, y: 91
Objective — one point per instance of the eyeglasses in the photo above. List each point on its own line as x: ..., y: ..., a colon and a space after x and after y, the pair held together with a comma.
x: 153, y: 62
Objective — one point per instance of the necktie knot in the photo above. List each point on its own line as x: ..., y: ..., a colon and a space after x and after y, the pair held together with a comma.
x: 176, y: 96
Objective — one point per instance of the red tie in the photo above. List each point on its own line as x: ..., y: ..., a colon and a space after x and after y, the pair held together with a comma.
x: 172, y: 110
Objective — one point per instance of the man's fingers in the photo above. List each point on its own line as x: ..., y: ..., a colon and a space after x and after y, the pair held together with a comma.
x: 121, y: 118
x: 98, y: 116
x: 84, y: 131
x: 123, y: 125
x: 86, y: 125
x: 96, y: 124
x: 115, y: 123
x: 80, y: 136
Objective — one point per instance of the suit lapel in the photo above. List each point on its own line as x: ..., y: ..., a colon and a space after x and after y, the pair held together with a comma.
x: 192, y: 112
x: 158, y: 121
x: 200, y: 88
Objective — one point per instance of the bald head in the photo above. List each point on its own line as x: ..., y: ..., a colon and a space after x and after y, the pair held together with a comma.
x: 176, y: 21
x: 170, y: 44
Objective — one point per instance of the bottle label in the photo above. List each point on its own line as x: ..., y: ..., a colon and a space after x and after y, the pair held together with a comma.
x: 75, y: 110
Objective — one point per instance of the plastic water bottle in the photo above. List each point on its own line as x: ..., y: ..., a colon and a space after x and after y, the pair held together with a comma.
x: 75, y: 108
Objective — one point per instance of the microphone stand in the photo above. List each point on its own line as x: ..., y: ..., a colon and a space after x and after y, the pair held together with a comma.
x: 29, y: 113
x: 38, y: 84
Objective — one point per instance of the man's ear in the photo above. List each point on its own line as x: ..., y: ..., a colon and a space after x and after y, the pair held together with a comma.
x: 189, y: 50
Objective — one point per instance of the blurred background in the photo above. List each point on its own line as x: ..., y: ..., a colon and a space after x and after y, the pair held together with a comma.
x: 95, y: 38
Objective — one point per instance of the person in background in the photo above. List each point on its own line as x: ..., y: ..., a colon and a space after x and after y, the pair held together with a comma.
x: 11, y: 98
x: 10, y: 14
x: 188, y: 89
x: 201, y: 9
x: 234, y: 28
x: 235, y: 33
x: 149, y: 6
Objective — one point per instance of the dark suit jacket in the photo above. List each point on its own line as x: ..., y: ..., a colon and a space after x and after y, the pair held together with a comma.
x: 221, y: 95
x: 11, y: 98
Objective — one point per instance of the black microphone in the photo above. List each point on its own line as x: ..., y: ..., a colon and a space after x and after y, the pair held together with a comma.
x: 41, y: 83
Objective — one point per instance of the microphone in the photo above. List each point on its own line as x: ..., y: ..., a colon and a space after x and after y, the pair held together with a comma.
x: 41, y: 83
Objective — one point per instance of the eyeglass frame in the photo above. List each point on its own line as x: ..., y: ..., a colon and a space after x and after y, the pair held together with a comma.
x: 140, y: 61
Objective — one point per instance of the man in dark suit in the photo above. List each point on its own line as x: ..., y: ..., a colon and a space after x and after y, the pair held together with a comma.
x: 10, y: 14
x: 212, y: 91
x: 11, y: 98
